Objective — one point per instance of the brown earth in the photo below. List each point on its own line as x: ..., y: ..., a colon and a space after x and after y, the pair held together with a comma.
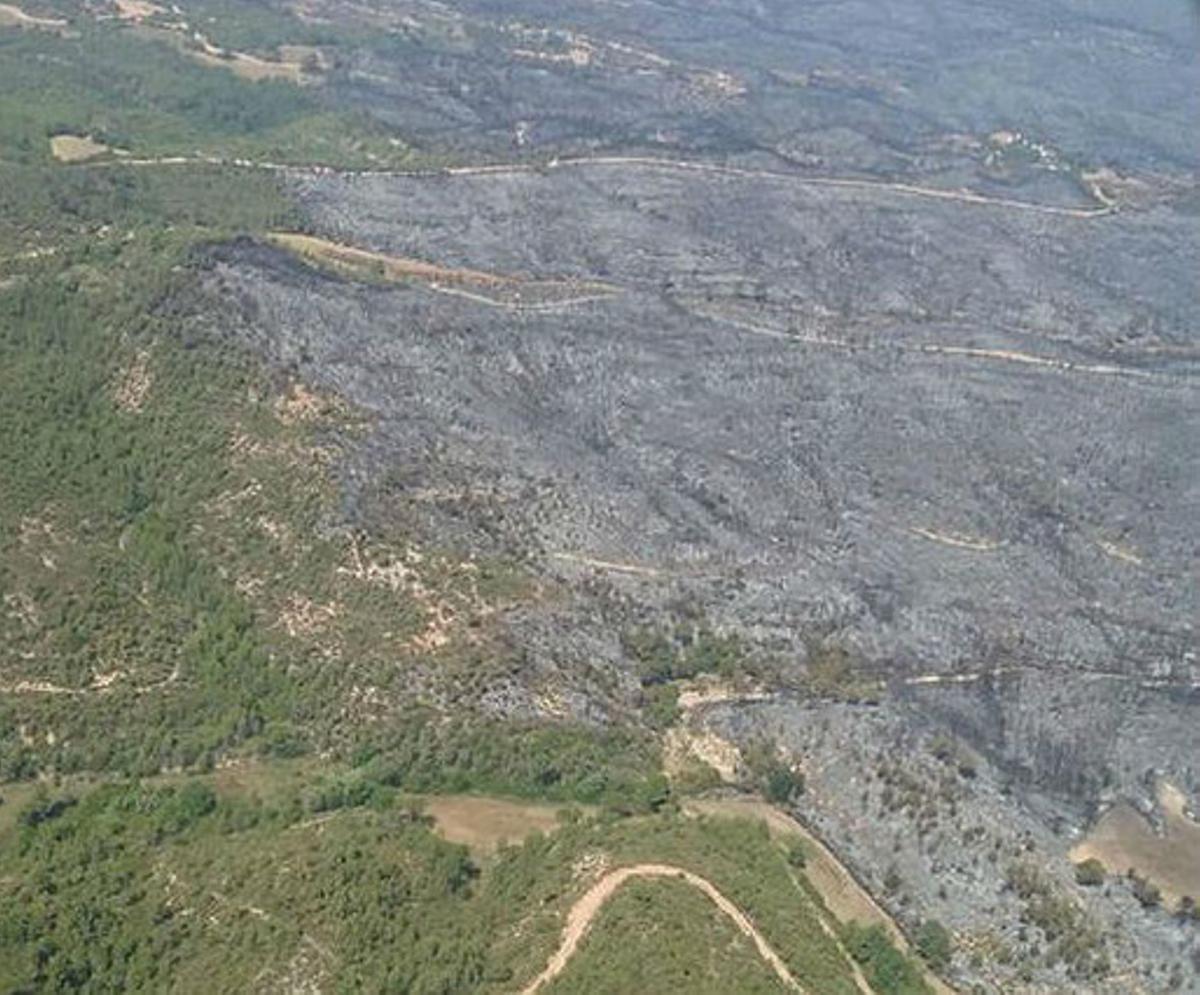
x: 1123, y: 840
x: 483, y: 824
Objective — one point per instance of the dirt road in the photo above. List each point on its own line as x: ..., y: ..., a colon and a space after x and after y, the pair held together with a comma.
x: 586, y: 908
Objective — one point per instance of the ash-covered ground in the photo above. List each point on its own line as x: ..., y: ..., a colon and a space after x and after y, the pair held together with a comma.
x: 914, y: 373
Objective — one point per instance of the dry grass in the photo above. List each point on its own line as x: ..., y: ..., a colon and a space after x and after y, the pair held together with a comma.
x: 483, y: 824
x: 489, y: 288
x: 134, y: 384
x: 249, y: 67
x: 1122, y: 839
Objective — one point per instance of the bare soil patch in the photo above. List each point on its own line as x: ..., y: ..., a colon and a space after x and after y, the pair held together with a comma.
x: 1123, y: 839
x: 483, y: 824
x: 76, y: 148
x: 136, y: 10
x: 134, y: 384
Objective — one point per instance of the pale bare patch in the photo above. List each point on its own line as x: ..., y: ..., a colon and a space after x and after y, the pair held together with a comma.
x: 589, y: 865
x: 302, y: 617
x: 556, y: 45
x: 438, y: 629
x: 101, y: 684
x: 1110, y: 189
x: 958, y: 540
x: 76, y: 148
x: 33, y: 530
x: 224, y: 503
x: 1120, y: 551
x: 483, y: 824
x: 1123, y: 839
x: 136, y: 10
x: 579, y: 55
x: 717, y: 83
x: 689, y: 742
x: 400, y: 575
x: 306, y: 973
x: 1028, y: 359
x: 710, y: 690
x: 278, y: 531
x: 21, y: 607
x: 683, y: 747
x: 242, y: 445
x: 247, y: 66
x: 552, y: 705
x: 307, y: 57
x: 612, y: 565
x: 301, y: 404
x: 133, y: 385
x: 249, y: 586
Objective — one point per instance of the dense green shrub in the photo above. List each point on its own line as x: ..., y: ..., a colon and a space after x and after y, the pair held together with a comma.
x: 888, y: 971
x: 1089, y: 873
x: 934, y: 943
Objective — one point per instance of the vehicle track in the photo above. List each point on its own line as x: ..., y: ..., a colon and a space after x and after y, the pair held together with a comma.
x: 588, y: 906
x: 647, y: 162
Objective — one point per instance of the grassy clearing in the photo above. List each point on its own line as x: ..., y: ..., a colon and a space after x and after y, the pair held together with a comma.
x: 483, y: 824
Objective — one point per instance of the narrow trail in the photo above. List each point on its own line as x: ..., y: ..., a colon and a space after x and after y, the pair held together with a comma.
x: 967, y: 197
x: 1007, y: 356
x: 588, y: 906
x: 974, y: 677
x: 101, y: 684
x: 635, y: 569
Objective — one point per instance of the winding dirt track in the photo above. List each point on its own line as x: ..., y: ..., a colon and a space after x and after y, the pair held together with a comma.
x: 588, y: 906
x: 646, y: 162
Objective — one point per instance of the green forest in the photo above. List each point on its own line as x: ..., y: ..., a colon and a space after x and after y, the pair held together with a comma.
x: 209, y: 884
